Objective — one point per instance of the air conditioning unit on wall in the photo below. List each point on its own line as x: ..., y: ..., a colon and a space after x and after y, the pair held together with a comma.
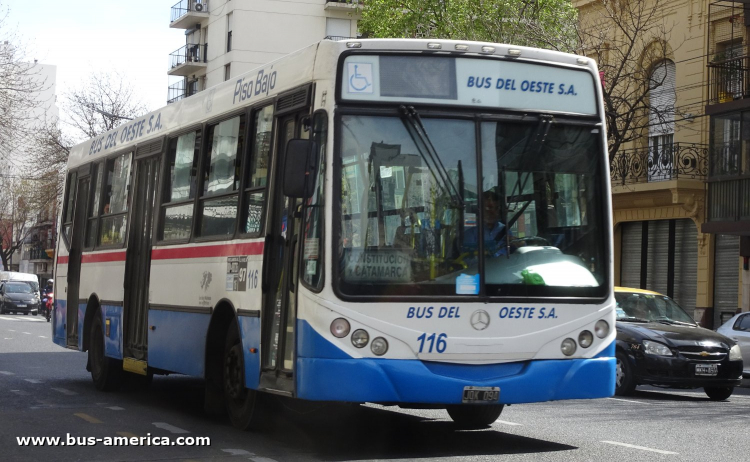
x: 198, y: 7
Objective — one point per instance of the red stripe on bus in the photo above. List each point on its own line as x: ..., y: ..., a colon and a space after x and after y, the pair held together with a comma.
x: 225, y: 250
x: 62, y: 260
x: 103, y: 257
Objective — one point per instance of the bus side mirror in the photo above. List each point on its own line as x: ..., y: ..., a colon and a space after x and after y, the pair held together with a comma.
x: 299, y: 167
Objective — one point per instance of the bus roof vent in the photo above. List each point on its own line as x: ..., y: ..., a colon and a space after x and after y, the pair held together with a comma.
x: 291, y: 101
x: 153, y: 147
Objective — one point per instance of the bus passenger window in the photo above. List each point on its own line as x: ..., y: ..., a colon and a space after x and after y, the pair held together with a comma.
x: 114, y: 221
x: 257, y: 171
x: 93, y: 213
x: 221, y: 179
x: 180, y: 187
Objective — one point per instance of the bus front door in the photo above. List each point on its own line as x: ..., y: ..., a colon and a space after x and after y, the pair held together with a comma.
x: 75, y: 254
x: 280, y: 272
x: 138, y: 265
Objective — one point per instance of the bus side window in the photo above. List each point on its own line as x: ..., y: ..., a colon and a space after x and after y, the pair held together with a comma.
x: 221, y: 178
x: 95, y: 209
x: 70, y: 193
x: 180, y: 186
x: 114, y: 221
x: 256, y: 179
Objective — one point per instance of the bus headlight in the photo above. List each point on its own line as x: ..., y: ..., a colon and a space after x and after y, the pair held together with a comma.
x: 585, y: 339
x: 360, y: 337
x: 379, y: 346
x: 340, y: 327
x: 601, y: 328
x: 568, y: 347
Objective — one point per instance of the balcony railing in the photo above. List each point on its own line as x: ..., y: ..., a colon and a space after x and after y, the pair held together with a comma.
x: 670, y: 162
x: 176, y: 92
x: 38, y: 254
x: 195, y: 54
x: 729, y: 200
x: 188, y: 6
x: 728, y: 79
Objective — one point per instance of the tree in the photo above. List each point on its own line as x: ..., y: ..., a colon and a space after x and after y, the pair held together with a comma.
x: 15, y: 214
x: 627, y: 39
x: 540, y: 23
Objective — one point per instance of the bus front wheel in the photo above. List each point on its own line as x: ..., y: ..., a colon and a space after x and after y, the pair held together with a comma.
x: 467, y: 416
x: 244, y: 406
x: 105, y: 372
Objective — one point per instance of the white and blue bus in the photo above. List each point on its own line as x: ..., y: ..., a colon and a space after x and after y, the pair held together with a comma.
x: 311, y: 229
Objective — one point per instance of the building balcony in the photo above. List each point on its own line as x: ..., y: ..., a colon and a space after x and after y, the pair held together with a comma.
x: 728, y: 79
x: 39, y: 255
x: 668, y: 162
x: 728, y: 202
x: 188, y: 60
x: 176, y: 92
x: 188, y: 13
x: 342, y: 5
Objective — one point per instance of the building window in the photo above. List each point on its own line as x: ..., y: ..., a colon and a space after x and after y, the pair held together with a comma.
x: 227, y: 72
x: 661, y: 121
x: 229, y: 32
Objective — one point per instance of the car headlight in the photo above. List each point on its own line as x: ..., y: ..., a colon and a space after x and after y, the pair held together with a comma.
x: 656, y: 348
x: 735, y: 354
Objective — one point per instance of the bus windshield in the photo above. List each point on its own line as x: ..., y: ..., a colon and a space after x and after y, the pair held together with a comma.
x: 449, y: 206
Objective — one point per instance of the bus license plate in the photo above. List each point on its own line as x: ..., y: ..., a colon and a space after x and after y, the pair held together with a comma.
x: 481, y: 394
x: 706, y: 369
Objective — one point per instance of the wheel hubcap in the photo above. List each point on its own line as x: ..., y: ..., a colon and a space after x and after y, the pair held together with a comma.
x: 620, y: 373
x: 232, y: 374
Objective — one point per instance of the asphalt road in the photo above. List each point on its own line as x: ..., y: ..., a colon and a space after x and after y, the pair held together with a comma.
x: 45, y: 391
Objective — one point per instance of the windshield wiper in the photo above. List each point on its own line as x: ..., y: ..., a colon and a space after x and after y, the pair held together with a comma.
x: 632, y: 319
x: 417, y: 132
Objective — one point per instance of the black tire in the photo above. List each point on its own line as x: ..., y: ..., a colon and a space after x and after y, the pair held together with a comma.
x: 475, y: 416
x: 718, y: 393
x: 105, y: 372
x: 624, y: 380
x: 245, y: 407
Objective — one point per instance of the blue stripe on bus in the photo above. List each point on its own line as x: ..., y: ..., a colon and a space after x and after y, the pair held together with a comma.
x: 250, y: 331
x: 326, y: 378
x: 177, y: 341
x: 113, y: 341
x: 58, y: 322
x: 81, y: 318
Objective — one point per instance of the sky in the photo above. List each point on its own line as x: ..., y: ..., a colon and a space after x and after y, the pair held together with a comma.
x: 81, y: 37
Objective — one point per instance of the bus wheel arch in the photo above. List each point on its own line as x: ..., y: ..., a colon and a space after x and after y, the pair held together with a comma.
x: 221, y: 318
x: 93, y: 306
x: 106, y: 372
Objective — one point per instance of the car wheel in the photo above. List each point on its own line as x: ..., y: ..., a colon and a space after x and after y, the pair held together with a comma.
x: 718, y: 393
x: 624, y: 380
x: 470, y: 417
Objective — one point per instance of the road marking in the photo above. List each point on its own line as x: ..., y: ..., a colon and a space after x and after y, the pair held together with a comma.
x: 116, y: 408
x: 505, y: 422
x: 11, y: 330
x: 627, y: 400
x: 27, y: 333
x: 20, y: 392
x: 169, y: 428
x: 238, y: 452
x: 42, y: 336
x: 65, y: 392
x: 88, y: 418
x: 8, y: 319
x: 127, y: 434
x: 33, y: 381
x: 6, y: 373
x: 633, y: 446
x: 262, y: 459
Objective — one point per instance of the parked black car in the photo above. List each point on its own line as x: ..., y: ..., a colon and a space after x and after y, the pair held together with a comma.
x: 18, y: 297
x: 659, y: 344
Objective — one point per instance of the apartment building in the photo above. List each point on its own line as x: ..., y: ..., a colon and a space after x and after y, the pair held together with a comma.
x: 225, y: 38
x: 665, y: 209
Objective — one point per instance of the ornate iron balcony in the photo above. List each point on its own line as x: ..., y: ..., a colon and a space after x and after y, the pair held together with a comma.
x: 668, y: 162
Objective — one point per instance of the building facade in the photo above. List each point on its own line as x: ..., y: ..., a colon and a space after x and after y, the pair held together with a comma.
x: 660, y: 177
x: 226, y: 38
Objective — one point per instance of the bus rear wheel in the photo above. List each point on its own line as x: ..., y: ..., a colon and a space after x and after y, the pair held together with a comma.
x: 244, y: 406
x: 475, y: 416
x: 105, y: 372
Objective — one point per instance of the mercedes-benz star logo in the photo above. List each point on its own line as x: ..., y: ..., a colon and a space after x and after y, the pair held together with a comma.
x: 480, y: 320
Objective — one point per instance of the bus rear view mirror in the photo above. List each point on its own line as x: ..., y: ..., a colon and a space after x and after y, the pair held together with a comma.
x: 299, y: 168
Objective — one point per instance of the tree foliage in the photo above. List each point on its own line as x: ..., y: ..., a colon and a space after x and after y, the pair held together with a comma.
x: 540, y: 23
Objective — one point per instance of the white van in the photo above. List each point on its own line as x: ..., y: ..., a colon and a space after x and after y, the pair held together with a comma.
x: 25, y: 277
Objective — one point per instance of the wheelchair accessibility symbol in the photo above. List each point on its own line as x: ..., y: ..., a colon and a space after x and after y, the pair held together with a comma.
x: 360, y: 77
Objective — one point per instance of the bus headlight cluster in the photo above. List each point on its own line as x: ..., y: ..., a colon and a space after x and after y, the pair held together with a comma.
x: 585, y: 338
x: 340, y: 328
